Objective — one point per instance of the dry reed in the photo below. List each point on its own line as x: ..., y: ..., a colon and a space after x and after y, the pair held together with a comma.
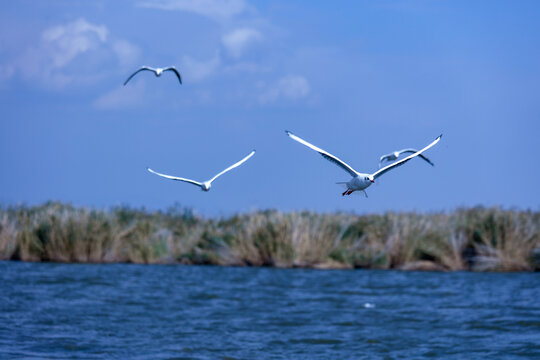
x: 480, y: 239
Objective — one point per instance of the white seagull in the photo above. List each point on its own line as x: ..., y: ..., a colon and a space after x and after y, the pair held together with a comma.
x: 205, y: 185
x: 360, y: 181
x: 157, y: 71
x: 394, y: 155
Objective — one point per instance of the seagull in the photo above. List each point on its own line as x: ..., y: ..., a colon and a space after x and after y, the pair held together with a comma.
x: 205, y: 185
x: 394, y: 155
x: 157, y: 71
x: 359, y: 181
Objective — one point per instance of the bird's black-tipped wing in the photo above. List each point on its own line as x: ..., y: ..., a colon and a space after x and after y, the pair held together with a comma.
x: 412, y: 151
x: 404, y: 160
x: 136, y: 72
x: 173, y: 69
x: 383, y: 158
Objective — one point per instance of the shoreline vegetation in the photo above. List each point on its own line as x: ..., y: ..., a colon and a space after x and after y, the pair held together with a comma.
x: 476, y: 239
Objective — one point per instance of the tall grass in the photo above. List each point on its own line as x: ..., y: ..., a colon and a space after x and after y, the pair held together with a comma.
x: 480, y: 239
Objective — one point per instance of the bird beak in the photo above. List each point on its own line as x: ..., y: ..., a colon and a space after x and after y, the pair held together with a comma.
x: 372, y: 180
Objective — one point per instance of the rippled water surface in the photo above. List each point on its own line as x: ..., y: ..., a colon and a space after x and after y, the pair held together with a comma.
x: 62, y: 311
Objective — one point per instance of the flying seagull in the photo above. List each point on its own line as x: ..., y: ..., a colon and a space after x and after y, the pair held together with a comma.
x: 359, y: 181
x: 205, y: 185
x: 394, y: 155
x: 157, y: 71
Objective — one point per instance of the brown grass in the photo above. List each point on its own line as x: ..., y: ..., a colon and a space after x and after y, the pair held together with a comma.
x: 480, y: 239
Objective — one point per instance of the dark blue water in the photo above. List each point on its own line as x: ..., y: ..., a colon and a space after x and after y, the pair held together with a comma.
x: 59, y: 311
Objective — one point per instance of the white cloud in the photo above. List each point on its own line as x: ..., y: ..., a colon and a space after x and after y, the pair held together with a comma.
x: 215, y: 9
x: 121, y: 97
x: 292, y: 87
x: 237, y: 41
x: 199, y: 70
x: 126, y: 52
x: 64, y: 42
x: 51, y: 62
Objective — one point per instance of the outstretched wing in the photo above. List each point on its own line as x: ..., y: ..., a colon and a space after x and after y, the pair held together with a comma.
x: 175, y: 177
x: 404, y: 160
x: 383, y: 158
x: 233, y: 166
x: 325, y: 154
x: 173, y: 69
x: 412, y: 151
x: 135, y: 73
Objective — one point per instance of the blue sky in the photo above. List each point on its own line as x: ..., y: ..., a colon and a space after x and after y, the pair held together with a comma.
x: 357, y: 78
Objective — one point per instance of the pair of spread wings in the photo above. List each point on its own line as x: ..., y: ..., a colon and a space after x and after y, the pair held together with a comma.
x: 348, y: 168
x: 200, y: 184
x: 147, y: 68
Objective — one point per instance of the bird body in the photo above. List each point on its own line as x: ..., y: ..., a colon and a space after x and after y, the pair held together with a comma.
x: 204, y: 185
x: 359, y: 181
x: 392, y: 156
x: 156, y: 71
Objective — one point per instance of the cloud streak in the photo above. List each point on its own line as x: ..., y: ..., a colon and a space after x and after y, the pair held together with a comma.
x: 214, y: 9
x: 63, y: 43
x: 237, y: 41
x: 125, y: 52
x: 291, y: 87
x: 196, y: 70
x: 74, y: 52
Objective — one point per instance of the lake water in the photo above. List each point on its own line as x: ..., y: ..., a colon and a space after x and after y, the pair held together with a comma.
x: 66, y: 311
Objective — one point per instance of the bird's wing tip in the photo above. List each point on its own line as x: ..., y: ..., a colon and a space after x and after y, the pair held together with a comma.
x: 440, y: 136
x: 288, y: 132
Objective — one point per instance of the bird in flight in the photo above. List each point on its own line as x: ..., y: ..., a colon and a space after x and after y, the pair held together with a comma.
x: 359, y: 181
x: 205, y: 185
x: 394, y: 155
x: 157, y: 71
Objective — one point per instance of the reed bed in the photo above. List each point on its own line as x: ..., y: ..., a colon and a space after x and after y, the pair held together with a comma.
x: 478, y: 239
